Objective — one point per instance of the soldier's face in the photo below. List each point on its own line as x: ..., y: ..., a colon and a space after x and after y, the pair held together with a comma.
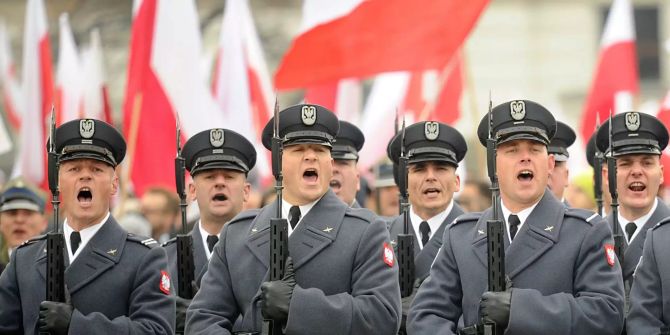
x: 346, y: 180
x: 558, y: 179
x: 388, y: 201
x: 431, y: 186
x: 307, y: 170
x: 638, y: 179
x: 19, y: 225
x: 523, y: 169
x: 221, y: 193
x: 86, y: 188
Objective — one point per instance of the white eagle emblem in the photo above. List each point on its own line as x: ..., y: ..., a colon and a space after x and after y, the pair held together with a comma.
x: 308, y: 115
x: 216, y: 137
x: 431, y: 130
x: 86, y: 128
x: 517, y: 109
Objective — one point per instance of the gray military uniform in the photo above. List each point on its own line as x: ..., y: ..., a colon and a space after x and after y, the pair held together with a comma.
x: 113, y: 285
x: 344, y: 286
x: 650, y: 294
x: 563, y: 282
x: 633, y: 251
x: 199, y: 257
x: 423, y: 258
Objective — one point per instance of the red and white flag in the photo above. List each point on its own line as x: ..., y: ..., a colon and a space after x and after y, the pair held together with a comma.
x: 664, y: 116
x: 374, y: 36
x: 343, y: 97
x: 95, y: 97
x: 241, y: 84
x: 12, y: 98
x: 163, y: 81
x: 38, y: 96
x: 68, y: 75
x: 616, y: 79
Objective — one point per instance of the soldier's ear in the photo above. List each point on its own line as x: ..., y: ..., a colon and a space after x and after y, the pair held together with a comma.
x: 115, y: 183
x: 246, y: 191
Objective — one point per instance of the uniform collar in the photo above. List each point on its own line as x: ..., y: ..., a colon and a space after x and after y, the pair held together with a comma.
x: 434, y: 222
x: 86, y: 234
x: 639, y: 222
x: 304, y: 209
x: 522, y: 214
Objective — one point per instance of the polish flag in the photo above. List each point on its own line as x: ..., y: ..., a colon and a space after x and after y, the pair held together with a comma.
x: 343, y: 97
x: 11, y: 89
x: 616, y: 78
x: 363, y: 38
x: 38, y: 96
x: 68, y: 76
x: 163, y: 82
x: 241, y: 84
x: 664, y: 116
x: 95, y: 99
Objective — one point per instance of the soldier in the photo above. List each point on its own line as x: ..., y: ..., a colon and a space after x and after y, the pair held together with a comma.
x: 160, y: 206
x: 219, y: 166
x: 559, y: 176
x: 434, y: 151
x: 116, y: 283
x: 345, y: 279
x: 638, y: 139
x: 21, y: 216
x: 563, y: 275
x: 346, y: 179
x: 384, y: 196
x: 649, y: 297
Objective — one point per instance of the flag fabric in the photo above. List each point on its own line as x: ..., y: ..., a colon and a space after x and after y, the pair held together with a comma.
x: 241, y: 84
x: 95, y: 97
x: 343, y: 97
x: 664, y: 116
x: 12, y: 99
x: 420, y: 34
x: 163, y: 82
x: 68, y: 75
x: 616, y: 78
x: 38, y: 96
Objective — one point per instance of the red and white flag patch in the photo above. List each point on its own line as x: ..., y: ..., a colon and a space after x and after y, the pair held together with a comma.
x: 165, y: 282
x: 610, y: 254
x: 388, y: 256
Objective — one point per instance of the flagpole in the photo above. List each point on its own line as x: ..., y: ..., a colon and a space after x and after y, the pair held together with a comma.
x: 132, y: 141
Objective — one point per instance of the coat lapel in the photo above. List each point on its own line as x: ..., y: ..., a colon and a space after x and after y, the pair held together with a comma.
x: 199, y: 255
x: 258, y: 238
x: 431, y: 248
x: 313, y: 234
x: 479, y: 241
x: 634, y: 250
x: 535, y: 236
x: 101, y: 253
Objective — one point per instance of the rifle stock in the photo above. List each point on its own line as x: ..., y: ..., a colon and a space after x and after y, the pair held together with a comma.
x: 406, y: 239
x: 55, y: 276
x: 619, y: 245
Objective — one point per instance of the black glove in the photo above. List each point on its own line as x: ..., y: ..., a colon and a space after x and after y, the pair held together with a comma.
x: 54, y: 317
x: 276, y: 295
x: 182, y: 306
x: 495, y: 307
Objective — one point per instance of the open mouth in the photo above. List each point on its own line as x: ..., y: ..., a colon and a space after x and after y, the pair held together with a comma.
x: 84, y: 195
x: 219, y: 197
x: 637, y: 186
x: 431, y: 191
x: 310, y: 175
x: 525, y: 176
x: 335, y: 184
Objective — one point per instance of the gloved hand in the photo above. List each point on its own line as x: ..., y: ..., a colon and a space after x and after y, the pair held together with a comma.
x: 54, y: 317
x: 276, y: 295
x: 495, y: 307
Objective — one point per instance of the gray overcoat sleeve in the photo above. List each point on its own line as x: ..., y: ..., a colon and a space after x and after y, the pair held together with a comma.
x: 11, y: 316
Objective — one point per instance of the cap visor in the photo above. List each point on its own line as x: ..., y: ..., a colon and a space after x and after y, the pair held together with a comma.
x: 523, y: 136
x: 20, y: 204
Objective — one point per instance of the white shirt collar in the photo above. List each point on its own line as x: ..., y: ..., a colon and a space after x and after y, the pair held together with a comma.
x: 434, y: 222
x: 304, y: 209
x: 204, y: 234
x: 86, y: 234
x: 522, y: 214
x: 640, y: 222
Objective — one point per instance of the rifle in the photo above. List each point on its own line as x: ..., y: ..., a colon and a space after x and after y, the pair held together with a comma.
x: 405, y: 240
x: 598, y: 161
x: 278, y: 225
x: 55, y: 239
x: 619, y: 246
x: 185, y: 264
x: 495, y: 234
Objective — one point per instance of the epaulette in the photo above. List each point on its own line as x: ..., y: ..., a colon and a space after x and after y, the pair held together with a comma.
x: 245, y: 215
x: 361, y: 213
x: 33, y: 240
x: 467, y: 217
x: 147, y: 242
x: 660, y: 223
x: 582, y: 214
x: 168, y: 242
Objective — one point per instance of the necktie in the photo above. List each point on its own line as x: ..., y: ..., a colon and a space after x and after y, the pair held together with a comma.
x: 75, y: 239
x: 631, y: 227
x: 513, y: 225
x: 211, y: 241
x: 294, y: 216
x: 424, y: 229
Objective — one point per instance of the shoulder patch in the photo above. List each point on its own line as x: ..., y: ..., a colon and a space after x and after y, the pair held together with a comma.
x: 660, y: 223
x: 582, y: 214
x: 168, y: 242
x: 363, y: 214
x: 33, y: 240
x: 245, y: 215
x: 467, y: 217
x: 147, y: 242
